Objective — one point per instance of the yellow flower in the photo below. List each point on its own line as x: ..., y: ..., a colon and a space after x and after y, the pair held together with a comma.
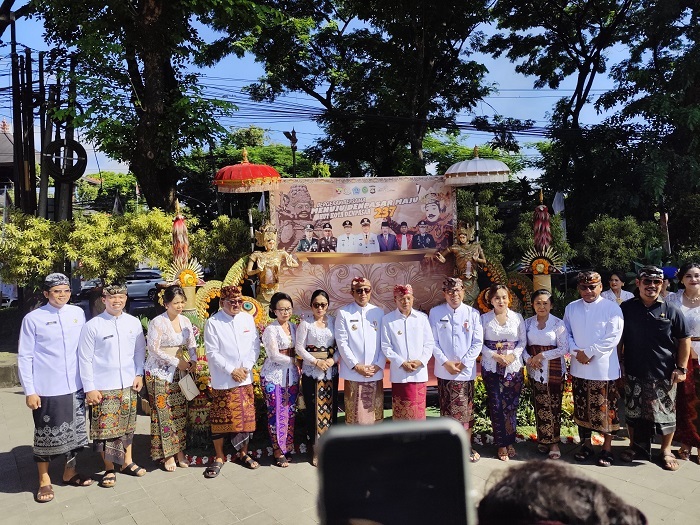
x: 188, y: 277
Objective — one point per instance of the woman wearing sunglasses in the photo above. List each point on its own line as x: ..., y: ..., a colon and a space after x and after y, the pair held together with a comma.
x: 280, y: 377
x: 315, y: 346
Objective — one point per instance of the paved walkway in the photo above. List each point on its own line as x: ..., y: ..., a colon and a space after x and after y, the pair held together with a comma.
x: 266, y: 495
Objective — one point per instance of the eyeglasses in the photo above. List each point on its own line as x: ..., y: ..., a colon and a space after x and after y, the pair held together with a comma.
x: 453, y: 291
x: 589, y: 287
x: 283, y: 310
x: 359, y: 291
x: 320, y: 305
x: 233, y: 302
x: 655, y: 282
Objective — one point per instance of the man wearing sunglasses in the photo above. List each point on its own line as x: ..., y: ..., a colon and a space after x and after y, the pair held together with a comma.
x: 655, y: 347
x: 594, y: 327
x: 357, y: 334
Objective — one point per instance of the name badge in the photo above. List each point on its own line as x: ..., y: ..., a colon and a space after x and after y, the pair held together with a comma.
x: 107, y: 337
x: 51, y: 322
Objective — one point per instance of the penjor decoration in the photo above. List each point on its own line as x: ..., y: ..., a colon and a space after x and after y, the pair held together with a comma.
x: 542, y: 260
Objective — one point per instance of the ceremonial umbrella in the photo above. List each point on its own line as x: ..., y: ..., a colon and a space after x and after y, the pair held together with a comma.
x: 476, y: 171
x: 246, y: 177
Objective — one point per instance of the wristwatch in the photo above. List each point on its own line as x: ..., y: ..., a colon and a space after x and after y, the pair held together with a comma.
x: 683, y: 370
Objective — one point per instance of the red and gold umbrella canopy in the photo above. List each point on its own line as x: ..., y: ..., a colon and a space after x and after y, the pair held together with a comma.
x: 246, y: 177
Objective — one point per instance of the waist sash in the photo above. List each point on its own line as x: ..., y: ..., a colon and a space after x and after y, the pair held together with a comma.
x: 173, y: 351
x: 321, y: 352
x: 554, y: 364
x: 501, y: 348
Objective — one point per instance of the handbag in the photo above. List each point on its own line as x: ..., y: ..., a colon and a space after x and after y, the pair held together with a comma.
x: 188, y: 387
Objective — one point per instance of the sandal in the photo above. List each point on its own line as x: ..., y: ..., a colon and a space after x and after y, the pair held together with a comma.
x: 44, y: 494
x: 474, y: 457
x: 683, y: 454
x: 542, y: 449
x: 247, y: 461
x: 109, y: 479
x: 503, y: 454
x: 132, y: 469
x: 584, y: 454
x: 669, y: 462
x: 78, y: 481
x: 213, y: 470
x: 605, y: 459
x: 511, y: 452
x: 629, y: 455
x: 281, y: 461
x: 554, y: 454
x: 168, y: 468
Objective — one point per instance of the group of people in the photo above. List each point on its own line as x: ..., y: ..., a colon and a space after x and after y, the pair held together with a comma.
x: 645, y: 346
x: 367, y: 241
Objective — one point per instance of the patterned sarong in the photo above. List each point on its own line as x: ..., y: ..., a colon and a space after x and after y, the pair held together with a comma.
x: 168, y: 416
x: 59, y: 426
x: 232, y: 410
x: 688, y: 407
x: 595, y: 404
x: 546, y: 400
x: 503, y: 393
x: 457, y: 400
x: 652, y: 400
x: 364, y: 402
x: 281, y: 413
x: 112, y: 423
x: 408, y: 400
x: 321, y: 400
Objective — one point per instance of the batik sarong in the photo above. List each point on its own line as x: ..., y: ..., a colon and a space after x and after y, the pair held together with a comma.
x: 408, y: 400
x: 112, y: 423
x: 232, y: 410
x: 281, y: 409
x: 60, y: 428
x: 364, y: 402
x: 168, y: 416
x: 546, y: 399
x: 595, y: 404
x: 688, y: 407
x: 503, y: 393
x: 651, y: 400
x: 321, y: 400
x: 457, y: 400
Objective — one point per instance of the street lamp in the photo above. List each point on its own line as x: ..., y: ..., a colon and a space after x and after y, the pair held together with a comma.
x: 292, y: 137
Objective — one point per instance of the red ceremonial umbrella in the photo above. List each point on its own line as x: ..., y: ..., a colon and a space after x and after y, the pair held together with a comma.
x: 246, y: 177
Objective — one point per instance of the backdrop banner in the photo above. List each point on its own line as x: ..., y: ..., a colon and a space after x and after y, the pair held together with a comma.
x: 384, y: 229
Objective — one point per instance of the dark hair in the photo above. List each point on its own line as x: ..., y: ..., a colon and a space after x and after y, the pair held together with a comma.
x: 683, y: 270
x: 171, y: 292
x: 519, y: 493
x: 542, y: 291
x: 320, y: 292
x: 492, y: 291
x: 620, y: 275
x: 279, y: 296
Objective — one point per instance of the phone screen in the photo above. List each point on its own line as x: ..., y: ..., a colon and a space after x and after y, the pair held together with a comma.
x: 395, y: 472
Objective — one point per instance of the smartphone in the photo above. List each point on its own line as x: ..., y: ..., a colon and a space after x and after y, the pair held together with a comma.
x: 396, y: 472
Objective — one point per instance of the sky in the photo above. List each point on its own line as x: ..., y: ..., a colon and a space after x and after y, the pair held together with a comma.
x: 515, y: 98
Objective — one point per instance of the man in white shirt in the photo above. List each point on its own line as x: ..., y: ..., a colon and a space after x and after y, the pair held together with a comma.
x: 594, y: 327
x: 357, y: 335
x: 366, y: 242
x: 407, y: 342
x: 48, y: 370
x: 232, y: 345
x: 458, y: 337
x: 347, y: 241
x: 111, y: 356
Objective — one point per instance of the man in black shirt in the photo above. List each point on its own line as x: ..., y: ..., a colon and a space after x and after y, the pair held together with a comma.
x: 655, y: 346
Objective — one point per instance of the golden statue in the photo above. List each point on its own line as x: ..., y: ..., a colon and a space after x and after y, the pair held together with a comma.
x: 268, y: 263
x: 468, y: 256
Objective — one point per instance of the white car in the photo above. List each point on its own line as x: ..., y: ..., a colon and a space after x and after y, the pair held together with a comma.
x: 142, y: 283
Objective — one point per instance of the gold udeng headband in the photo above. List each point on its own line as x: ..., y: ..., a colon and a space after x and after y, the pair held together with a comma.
x: 229, y: 292
x: 114, y: 289
x: 361, y: 281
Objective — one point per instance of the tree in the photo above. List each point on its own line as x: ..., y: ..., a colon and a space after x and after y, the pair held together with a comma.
x: 141, y: 106
x: 385, y: 72
x: 111, y: 184
x: 218, y: 247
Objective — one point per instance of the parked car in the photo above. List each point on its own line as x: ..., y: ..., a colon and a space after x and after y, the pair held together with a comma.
x: 7, y: 302
x: 86, y: 287
x: 142, y: 283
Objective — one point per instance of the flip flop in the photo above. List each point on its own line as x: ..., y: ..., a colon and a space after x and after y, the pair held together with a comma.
x: 554, y: 454
x: 282, y: 461
x: 584, y: 454
x: 168, y: 468
x: 109, y: 479
x: 132, y: 469
x: 247, y: 461
x: 213, y: 470
x: 474, y: 456
x: 78, y: 481
x: 669, y: 462
x: 605, y: 459
x: 542, y: 449
x: 511, y: 452
x: 44, y: 494
x: 683, y: 454
x: 503, y: 456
